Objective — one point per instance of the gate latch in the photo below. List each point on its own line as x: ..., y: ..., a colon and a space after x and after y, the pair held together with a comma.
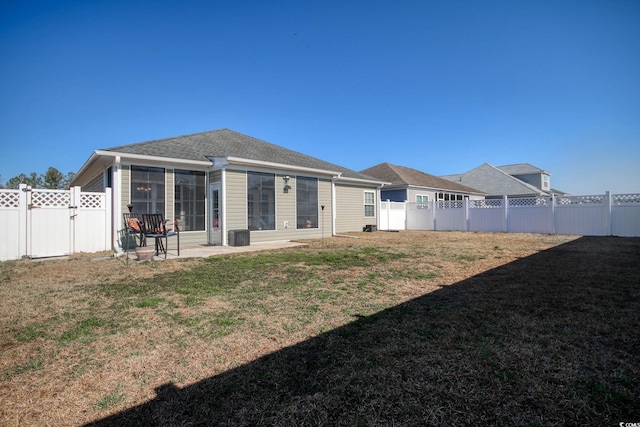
x: 32, y: 206
x: 73, y: 207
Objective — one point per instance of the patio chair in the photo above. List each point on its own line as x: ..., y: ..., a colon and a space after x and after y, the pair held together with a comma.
x: 133, y: 228
x: 155, y: 226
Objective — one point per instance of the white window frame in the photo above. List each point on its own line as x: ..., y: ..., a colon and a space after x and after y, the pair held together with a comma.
x: 313, y: 222
x: 371, y: 204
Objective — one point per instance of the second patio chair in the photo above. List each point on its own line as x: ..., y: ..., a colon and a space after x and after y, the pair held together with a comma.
x: 155, y: 227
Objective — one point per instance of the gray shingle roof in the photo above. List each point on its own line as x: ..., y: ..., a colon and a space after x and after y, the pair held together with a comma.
x: 494, y: 182
x: 228, y: 143
x: 521, y: 169
x: 401, y: 175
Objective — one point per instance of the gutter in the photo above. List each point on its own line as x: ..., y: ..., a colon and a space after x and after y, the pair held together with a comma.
x: 362, y: 181
x: 155, y: 159
x: 272, y: 165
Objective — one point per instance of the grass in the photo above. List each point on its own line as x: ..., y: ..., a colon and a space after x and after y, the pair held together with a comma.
x: 111, y: 399
x: 33, y: 364
x: 391, y: 328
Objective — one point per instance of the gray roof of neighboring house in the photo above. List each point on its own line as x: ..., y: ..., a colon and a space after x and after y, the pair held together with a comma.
x: 228, y: 143
x: 495, y: 182
x: 404, y: 176
x: 522, y: 169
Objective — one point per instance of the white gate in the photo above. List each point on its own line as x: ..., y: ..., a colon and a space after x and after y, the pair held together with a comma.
x: 45, y: 223
x: 49, y: 216
x: 392, y: 216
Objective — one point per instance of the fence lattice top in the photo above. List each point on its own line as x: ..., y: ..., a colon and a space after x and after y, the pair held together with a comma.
x: 626, y: 199
x: 529, y: 201
x: 580, y: 200
x: 9, y: 199
x: 52, y: 198
x: 91, y: 200
x: 485, y: 204
x: 450, y: 204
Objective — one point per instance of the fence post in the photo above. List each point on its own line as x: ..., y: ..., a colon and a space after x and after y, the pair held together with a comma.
x: 435, y: 214
x: 108, y: 223
x: 505, y: 214
x: 552, y: 200
x: 23, y: 206
x: 75, y: 199
x: 388, y: 214
x: 607, y: 214
x: 404, y: 214
x: 465, y: 206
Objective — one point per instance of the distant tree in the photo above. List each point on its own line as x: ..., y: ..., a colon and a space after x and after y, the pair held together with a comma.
x: 32, y: 180
x: 16, y: 180
x: 51, y: 179
x: 66, y: 181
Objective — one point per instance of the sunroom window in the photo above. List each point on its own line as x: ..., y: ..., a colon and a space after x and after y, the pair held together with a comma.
x: 147, y: 190
x: 190, y: 199
x: 307, y: 202
x: 261, y: 201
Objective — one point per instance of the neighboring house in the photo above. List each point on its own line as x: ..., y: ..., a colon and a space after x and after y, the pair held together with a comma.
x: 221, y: 180
x: 530, y: 174
x: 406, y: 184
x: 521, y: 180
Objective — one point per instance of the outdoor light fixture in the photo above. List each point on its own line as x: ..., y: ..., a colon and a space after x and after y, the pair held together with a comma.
x: 285, y: 179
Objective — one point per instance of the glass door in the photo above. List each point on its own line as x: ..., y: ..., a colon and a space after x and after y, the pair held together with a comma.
x: 215, y: 214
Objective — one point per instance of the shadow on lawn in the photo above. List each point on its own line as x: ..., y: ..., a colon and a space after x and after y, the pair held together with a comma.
x: 549, y: 339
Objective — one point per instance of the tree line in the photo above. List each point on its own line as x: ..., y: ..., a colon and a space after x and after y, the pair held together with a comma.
x: 52, y: 179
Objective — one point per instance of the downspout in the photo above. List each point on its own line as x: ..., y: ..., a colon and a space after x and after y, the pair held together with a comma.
x: 378, y: 209
x: 333, y: 205
x: 223, y: 197
x: 115, y: 206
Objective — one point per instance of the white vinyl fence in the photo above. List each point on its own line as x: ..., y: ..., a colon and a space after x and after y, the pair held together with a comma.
x: 37, y: 223
x: 598, y: 215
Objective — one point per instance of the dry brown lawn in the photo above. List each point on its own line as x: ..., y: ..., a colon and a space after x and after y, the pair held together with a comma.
x: 408, y: 328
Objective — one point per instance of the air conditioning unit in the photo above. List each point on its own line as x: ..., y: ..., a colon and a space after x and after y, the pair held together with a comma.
x: 239, y: 237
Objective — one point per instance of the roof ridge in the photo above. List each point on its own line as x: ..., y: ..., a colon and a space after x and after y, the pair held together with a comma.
x: 398, y: 171
x: 186, y: 135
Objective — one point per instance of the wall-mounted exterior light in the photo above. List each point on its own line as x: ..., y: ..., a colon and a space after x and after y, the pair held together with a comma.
x: 287, y: 187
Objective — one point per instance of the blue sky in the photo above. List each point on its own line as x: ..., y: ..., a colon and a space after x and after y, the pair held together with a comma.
x: 440, y: 86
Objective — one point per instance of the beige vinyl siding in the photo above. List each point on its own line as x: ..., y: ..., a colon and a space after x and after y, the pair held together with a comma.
x: 193, y: 238
x: 350, y: 207
x: 96, y: 184
x: 325, y: 194
x: 125, y: 187
x: 285, y: 211
x: 235, y: 205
